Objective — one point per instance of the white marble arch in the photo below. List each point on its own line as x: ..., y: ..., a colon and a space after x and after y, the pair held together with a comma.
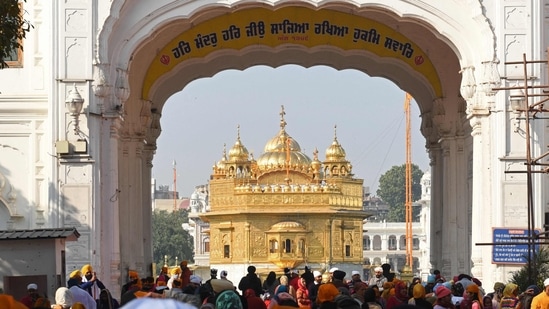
x: 460, y: 38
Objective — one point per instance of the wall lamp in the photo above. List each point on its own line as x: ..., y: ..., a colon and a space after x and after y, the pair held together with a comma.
x: 517, y: 101
x: 74, y: 103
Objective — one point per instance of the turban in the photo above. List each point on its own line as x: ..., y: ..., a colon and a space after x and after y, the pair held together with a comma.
x: 175, y: 271
x: 442, y: 291
x: 75, y: 274
x: 63, y: 297
x: 133, y: 274
x: 86, y: 268
x: 339, y: 274
x: 326, y: 292
x: 418, y: 291
x: 220, y: 285
x: 7, y: 302
x: 472, y: 288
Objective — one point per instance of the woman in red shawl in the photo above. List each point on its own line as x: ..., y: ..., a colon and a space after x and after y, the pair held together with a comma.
x: 302, y: 294
x: 400, y: 297
x: 254, y: 302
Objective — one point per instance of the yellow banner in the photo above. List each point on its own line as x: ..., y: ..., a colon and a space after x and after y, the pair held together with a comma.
x: 289, y: 25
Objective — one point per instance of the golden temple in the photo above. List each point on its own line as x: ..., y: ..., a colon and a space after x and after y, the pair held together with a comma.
x: 285, y: 209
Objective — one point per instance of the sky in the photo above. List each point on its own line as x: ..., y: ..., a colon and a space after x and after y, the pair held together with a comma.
x: 368, y: 112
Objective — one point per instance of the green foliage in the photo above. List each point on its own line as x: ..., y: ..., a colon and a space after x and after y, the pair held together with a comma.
x: 539, y: 270
x: 13, y: 29
x: 392, y: 190
x: 169, y: 238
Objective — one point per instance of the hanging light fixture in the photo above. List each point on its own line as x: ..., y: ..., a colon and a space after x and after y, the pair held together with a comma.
x: 74, y: 104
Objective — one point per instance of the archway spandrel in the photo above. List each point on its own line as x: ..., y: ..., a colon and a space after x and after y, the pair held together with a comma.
x: 285, y: 28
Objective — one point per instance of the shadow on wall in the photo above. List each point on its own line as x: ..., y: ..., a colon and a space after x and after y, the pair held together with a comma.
x: 30, y: 258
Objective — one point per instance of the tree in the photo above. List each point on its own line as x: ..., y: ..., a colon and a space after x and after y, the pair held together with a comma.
x: 392, y: 190
x: 540, y: 264
x: 13, y: 29
x: 169, y: 238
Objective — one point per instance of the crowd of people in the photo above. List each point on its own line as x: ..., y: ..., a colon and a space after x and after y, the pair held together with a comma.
x: 333, y: 289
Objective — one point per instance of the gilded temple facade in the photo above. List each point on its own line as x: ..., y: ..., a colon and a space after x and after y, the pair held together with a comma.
x: 285, y: 209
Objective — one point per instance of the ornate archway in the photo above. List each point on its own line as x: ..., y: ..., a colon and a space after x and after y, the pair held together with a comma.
x: 151, y: 51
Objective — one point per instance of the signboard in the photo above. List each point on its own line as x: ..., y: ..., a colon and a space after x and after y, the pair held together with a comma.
x: 262, y: 28
x: 512, y: 253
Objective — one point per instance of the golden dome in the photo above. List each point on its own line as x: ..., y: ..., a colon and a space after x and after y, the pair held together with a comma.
x: 335, y: 152
x: 238, y: 152
x: 221, y: 163
x: 282, y: 148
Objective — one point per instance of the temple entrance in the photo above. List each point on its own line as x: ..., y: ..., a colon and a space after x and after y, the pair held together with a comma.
x: 175, y: 45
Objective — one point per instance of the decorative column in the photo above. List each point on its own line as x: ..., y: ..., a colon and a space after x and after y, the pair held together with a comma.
x: 479, y: 109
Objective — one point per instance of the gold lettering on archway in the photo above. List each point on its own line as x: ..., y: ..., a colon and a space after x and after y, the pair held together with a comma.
x: 290, y: 25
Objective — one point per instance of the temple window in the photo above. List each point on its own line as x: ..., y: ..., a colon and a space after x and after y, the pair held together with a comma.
x: 206, y: 245
x: 226, y: 251
x: 392, y: 243
x: 377, y: 242
x: 273, y: 246
x: 415, y: 243
x: 347, y: 250
x: 287, y: 246
x: 366, y: 243
x: 402, y: 242
x: 301, y: 246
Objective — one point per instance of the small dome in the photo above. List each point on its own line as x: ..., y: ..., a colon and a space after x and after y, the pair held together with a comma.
x: 238, y: 152
x: 288, y: 226
x: 335, y: 152
x: 221, y: 163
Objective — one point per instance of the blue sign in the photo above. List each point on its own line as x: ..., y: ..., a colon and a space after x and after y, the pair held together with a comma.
x: 512, y: 253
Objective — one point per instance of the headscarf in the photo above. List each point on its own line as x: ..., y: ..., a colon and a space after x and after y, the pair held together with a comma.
x: 510, y: 290
x: 283, y: 280
x: 326, y: 292
x: 63, y: 297
x: 8, y: 302
x: 281, y: 289
x: 399, y: 287
x: 487, y: 302
x: 228, y: 300
x: 418, y: 291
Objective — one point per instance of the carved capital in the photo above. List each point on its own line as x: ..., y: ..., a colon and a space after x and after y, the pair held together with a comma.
x: 122, y: 88
x: 468, y: 82
x: 490, y: 77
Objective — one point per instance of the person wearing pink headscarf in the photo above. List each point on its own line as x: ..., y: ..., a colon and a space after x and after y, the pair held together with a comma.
x: 400, y: 297
x: 302, y: 294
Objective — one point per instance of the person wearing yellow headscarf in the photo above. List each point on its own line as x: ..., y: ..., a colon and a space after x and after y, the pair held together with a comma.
x: 90, y: 282
x: 510, y: 298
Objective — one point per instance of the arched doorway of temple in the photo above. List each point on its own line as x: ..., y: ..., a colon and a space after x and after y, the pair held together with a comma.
x: 179, y: 44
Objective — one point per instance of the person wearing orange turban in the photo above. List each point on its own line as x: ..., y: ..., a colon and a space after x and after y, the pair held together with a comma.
x: 8, y: 302
x: 326, y: 293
